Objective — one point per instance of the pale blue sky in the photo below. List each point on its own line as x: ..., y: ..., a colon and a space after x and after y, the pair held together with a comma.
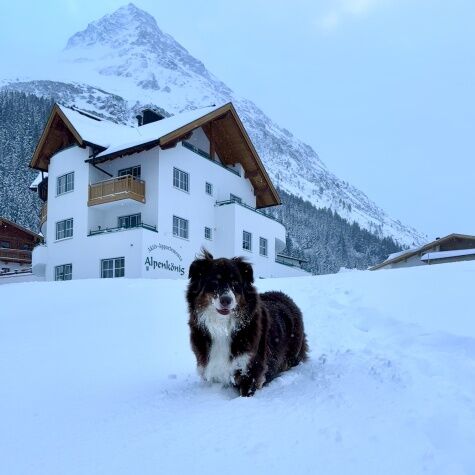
x: 382, y: 89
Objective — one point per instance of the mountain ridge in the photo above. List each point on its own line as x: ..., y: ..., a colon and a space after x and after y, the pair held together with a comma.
x: 124, y: 61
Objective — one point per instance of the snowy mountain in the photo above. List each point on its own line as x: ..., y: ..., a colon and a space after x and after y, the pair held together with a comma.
x: 124, y: 61
x: 97, y: 384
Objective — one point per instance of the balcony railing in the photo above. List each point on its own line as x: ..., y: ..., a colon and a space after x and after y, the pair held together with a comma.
x: 203, y: 154
x: 15, y: 255
x: 114, y: 189
x: 289, y: 260
x: 94, y: 232
x: 43, y: 213
x: 244, y: 205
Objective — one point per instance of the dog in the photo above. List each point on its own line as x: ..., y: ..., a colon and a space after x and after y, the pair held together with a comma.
x: 240, y: 338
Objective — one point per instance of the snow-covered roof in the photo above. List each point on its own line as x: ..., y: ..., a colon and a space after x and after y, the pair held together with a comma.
x: 67, y: 127
x: 430, y: 256
x: 38, y: 180
x: 103, y: 133
x: 154, y: 131
x: 401, y: 253
x: 399, y: 256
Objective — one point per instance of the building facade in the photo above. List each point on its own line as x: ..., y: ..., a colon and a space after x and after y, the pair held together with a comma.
x: 124, y: 201
x: 451, y: 248
x: 16, y: 244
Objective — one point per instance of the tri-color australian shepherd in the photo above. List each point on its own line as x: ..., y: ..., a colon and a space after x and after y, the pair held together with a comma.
x: 240, y: 337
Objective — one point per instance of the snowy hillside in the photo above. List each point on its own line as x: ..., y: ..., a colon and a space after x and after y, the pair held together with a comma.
x: 98, y: 378
x: 124, y: 60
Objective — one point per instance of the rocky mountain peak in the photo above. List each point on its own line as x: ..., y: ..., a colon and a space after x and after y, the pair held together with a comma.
x: 124, y: 60
x: 129, y: 24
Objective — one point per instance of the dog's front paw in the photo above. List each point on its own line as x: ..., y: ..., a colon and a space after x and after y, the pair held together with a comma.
x: 246, y: 385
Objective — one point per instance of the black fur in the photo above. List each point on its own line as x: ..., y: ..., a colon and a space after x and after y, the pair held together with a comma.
x: 268, y: 327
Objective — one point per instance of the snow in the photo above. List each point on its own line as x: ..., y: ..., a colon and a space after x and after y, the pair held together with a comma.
x: 445, y: 254
x: 98, y: 378
x: 99, y: 132
x: 116, y: 137
x: 400, y: 253
x: 124, y: 61
x: 38, y: 180
x: 155, y: 130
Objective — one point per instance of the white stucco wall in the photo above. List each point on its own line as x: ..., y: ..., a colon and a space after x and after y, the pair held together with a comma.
x: 147, y: 253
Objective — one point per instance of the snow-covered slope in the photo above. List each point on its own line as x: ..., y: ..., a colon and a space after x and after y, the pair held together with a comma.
x: 97, y: 377
x: 124, y: 60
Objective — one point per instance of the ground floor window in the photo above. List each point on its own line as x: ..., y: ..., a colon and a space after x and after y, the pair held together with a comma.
x: 263, y: 246
x: 208, y: 233
x: 63, y: 272
x: 180, y: 227
x: 130, y: 221
x: 247, y: 241
x: 114, y: 267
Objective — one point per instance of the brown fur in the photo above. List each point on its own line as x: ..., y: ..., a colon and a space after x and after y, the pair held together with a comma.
x: 268, y: 327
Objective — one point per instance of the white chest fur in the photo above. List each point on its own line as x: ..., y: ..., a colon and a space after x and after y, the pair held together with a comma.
x: 221, y: 367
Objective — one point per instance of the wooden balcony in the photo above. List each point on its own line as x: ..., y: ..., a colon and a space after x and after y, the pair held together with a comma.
x: 114, y: 189
x: 43, y: 213
x: 15, y: 255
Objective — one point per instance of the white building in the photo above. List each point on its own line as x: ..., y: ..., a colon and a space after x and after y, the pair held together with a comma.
x: 142, y: 201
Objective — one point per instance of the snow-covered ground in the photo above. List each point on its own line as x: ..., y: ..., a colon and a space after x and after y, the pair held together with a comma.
x: 97, y: 377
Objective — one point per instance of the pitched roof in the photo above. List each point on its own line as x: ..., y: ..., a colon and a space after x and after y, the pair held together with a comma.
x: 403, y: 255
x: 18, y: 226
x: 221, y: 124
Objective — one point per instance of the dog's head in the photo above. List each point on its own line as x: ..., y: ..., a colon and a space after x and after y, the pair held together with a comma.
x: 221, y: 285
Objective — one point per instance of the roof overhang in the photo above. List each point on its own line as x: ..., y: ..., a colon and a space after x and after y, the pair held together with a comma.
x: 58, y: 134
x: 222, y: 125
x: 232, y: 143
x: 21, y: 228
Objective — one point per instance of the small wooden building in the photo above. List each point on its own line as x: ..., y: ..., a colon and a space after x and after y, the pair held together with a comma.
x: 16, y: 244
x: 451, y: 248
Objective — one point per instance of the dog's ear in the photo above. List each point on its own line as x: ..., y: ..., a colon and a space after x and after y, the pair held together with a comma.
x: 245, y: 270
x: 198, y: 268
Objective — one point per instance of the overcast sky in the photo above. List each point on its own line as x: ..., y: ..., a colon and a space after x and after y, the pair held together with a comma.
x: 382, y: 89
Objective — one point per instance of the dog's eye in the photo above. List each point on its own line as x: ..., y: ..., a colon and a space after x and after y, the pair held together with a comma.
x: 212, y: 285
x: 236, y: 285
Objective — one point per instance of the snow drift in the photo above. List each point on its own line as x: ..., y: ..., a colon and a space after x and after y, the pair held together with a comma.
x: 97, y: 377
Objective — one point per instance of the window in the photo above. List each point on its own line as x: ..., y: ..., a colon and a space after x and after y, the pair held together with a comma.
x: 134, y: 171
x: 247, y: 241
x: 114, y: 267
x: 26, y: 247
x: 5, y: 244
x: 180, y: 227
x: 64, y: 229
x: 130, y: 221
x: 65, y: 183
x: 181, y: 180
x: 63, y: 272
x: 208, y: 233
x: 262, y: 246
x: 235, y: 198
x: 209, y: 189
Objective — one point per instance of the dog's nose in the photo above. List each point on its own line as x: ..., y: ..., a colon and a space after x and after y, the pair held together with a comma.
x: 225, y: 300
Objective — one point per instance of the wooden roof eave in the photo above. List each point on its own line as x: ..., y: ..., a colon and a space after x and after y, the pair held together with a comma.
x: 255, y: 174
x: 20, y: 227
x: 55, y: 112
x: 126, y: 151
